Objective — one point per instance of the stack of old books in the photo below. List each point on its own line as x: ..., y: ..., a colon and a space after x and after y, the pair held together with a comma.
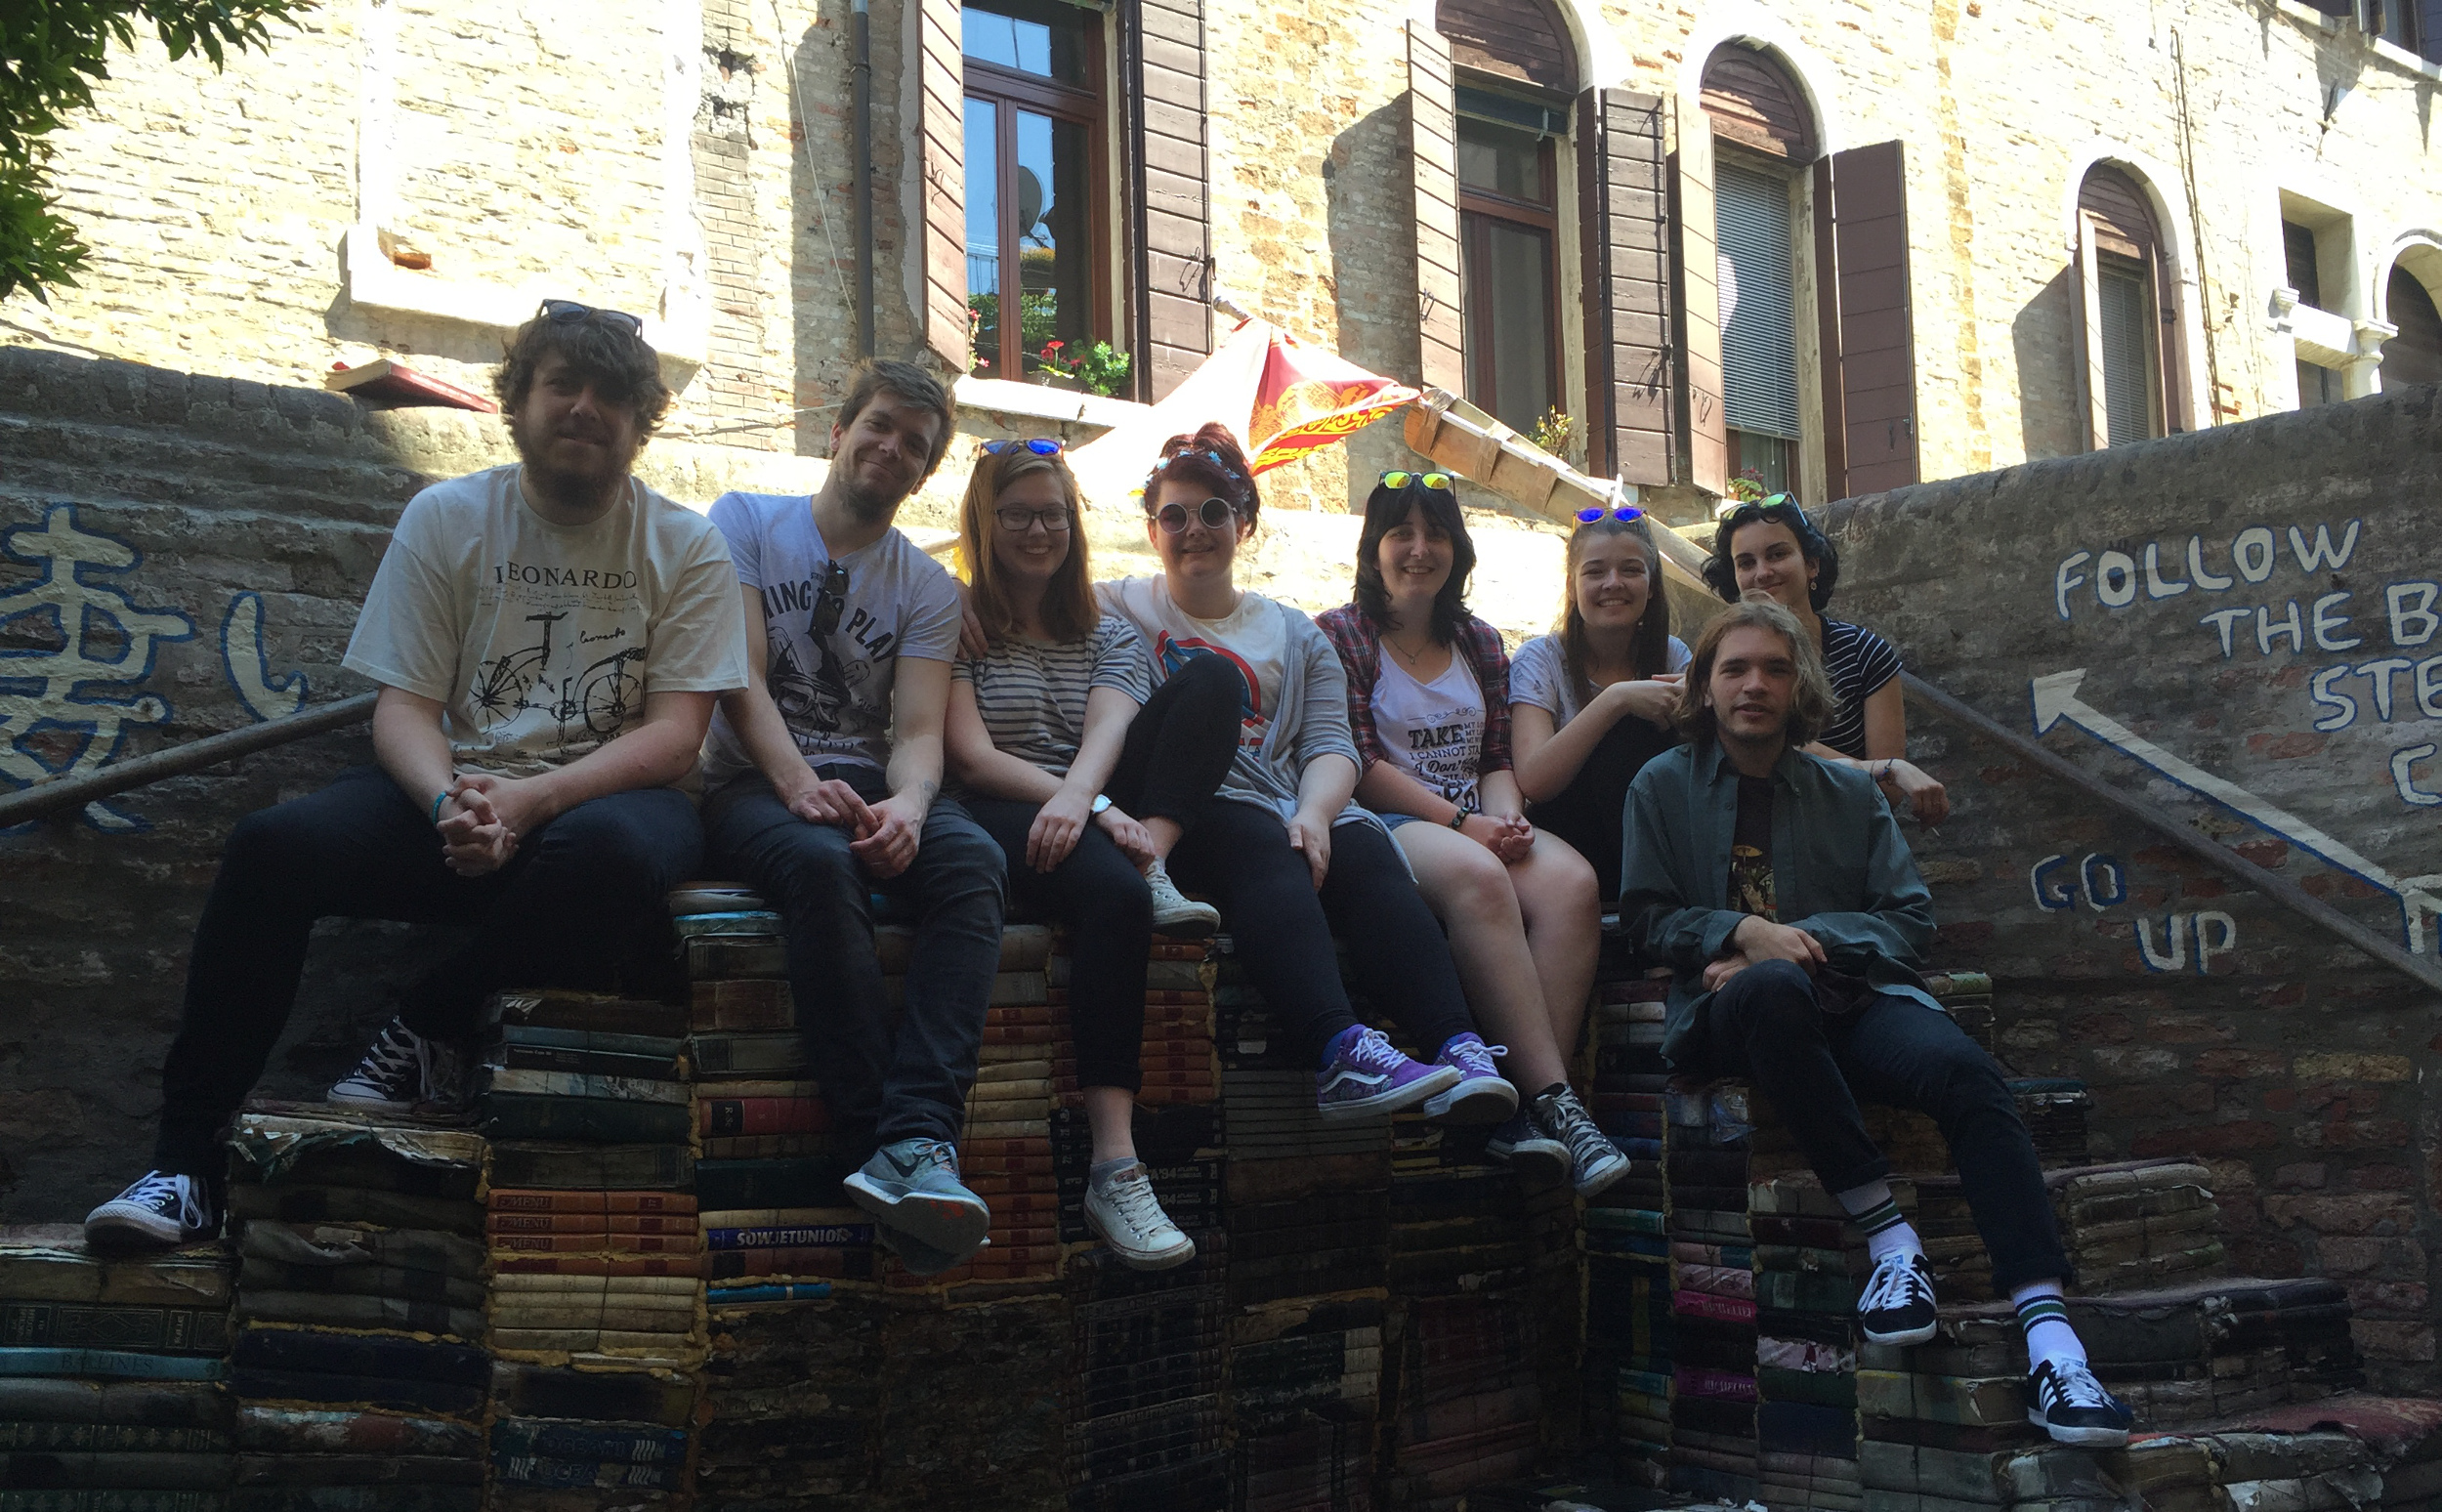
x: 1466, y: 1403
x: 1806, y: 1274
x: 1177, y: 1060
x: 108, y: 1375
x: 1143, y: 1390
x: 357, y: 1362
x: 1304, y: 1391
x: 2133, y: 1223
x: 793, y: 1389
x: 1628, y: 1327
x: 1968, y: 997
x: 574, y: 1440
x: 1712, y: 1408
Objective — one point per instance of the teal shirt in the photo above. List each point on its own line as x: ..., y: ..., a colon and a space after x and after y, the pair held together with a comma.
x: 1840, y: 871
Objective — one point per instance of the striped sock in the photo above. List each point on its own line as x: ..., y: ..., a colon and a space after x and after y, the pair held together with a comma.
x: 2045, y: 1319
x: 1871, y: 1209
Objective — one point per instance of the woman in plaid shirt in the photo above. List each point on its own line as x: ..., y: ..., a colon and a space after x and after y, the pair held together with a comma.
x: 1428, y: 704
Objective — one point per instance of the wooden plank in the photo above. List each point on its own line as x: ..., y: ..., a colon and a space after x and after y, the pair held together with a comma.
x: 1827, y: 336
x: 1179, y: 236
x: 1876, y: 355
x: 1183, y: 27
x: 1433, y: 122
x: 1168, y: 155
x: 1637, y: 329
x: 1173, y: 87
x: 1187, y: 59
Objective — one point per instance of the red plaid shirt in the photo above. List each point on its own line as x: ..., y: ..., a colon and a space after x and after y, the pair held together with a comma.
x: 1479, y: 644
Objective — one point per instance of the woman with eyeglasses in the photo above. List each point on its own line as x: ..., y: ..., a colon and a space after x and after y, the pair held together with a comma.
x: 1428, y: 704
x: 1590, y: 704
x: 1086, y: 778
x: 1290, y: 857
x: 1769, y: 546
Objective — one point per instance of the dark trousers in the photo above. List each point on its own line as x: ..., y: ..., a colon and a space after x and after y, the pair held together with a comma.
x: 1766, y: 1025
x: 1282, y: 926
x: 881, y: 1084
x: 581, y: 901
x: 1178, y: 749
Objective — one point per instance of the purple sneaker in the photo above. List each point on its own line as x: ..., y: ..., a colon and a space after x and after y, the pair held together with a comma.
x: 1481, y: 1094
x: 1365, y: 1077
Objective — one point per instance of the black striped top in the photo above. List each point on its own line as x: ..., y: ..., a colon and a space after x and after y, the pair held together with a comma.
x: 1859, y: 662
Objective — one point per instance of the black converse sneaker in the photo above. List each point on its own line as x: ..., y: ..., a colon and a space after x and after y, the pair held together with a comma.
x: 403, y: 1069
x: 1897, y: 1303
x: 1594, y: 1161
x: 2072, y: 1407
x: 160, y: 1210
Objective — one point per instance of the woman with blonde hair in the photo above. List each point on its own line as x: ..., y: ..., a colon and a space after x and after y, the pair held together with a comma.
x: 1086, y: 776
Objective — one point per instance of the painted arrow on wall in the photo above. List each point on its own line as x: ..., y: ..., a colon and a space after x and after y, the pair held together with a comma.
x: 2055, y: 699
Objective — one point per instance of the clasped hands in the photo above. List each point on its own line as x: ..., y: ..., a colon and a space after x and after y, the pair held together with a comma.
x: 483, y: 816
x: 886, y: 832
x: 1759, y: 939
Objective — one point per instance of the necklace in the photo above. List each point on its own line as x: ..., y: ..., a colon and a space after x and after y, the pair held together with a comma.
x: 1411, y: 657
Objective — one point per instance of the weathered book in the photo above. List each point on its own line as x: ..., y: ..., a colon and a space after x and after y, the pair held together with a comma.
x: 584, y: 1063
x: 712, y: 895
x: 296, y: 1148
x: 596, y: 1242
x: 590, y: 1222
x: 599, y: 1265
x: 1022, y: 947
x: 653, y: 1343
x: 742, y: 1005
x: 591, y: 1011
x: 358, y: 1354
x: 372, y: 1280
x: 36, y: 1398
x: 638, y: 1443
x: 357, y: 1499
x: 538, y: 1036
x: 556, y: 1165
x: 1969, y: 1402
x: 178, y: 1330
x: 786, y: 1291
x: 108, y: 1364
x: 520, y: 1286
x: 622, y: 1397
x: 644, y: 1313
x: 746, y: 1055
x: 607, y: 1120
x: 505, y: 1200
x: 101, y: 1499
x: 538, y: 1470
x: 319, y: 1470
x: 765, y: 1147
x: 336, y: 1245
x: 350, y: 1205
x: 713, y: 958
x: 771, y: 1217
x: 727, y: 1115
x: 272, y: 1430
x: 255, y: 1384
x: 111, y: 1438
x: 812, y: 1182
x: 733, y: 921
x: 65, y: 1469
x: 846, y: 1263
x: 506, y: 1081
x: 49, y: 1263
x: 349, y: 1310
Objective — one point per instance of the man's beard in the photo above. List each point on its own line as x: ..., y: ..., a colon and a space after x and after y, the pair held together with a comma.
x: 866, y: 504
x: 573, y: 485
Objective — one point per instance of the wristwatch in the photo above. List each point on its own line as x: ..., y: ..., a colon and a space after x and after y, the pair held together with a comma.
x: 1102, y: 801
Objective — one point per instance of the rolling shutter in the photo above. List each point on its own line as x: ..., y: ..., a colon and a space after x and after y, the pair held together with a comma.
x: 1627, y: 287
x: 1164, y: 79
x: 1433, y: 145
x: 1696, y: 308
x: 1758, y: 302
x: 941, y: 184
x: 1866, y: 190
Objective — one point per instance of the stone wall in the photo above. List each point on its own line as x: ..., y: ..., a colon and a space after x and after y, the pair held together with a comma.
x: 2207, y: 1019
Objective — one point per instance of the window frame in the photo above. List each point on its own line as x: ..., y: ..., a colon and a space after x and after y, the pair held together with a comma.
x: 1007, y: 91
x: 1476, y: 207
x: 2168, y: 409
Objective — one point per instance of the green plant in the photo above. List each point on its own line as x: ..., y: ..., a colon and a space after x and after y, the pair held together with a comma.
x: 1748, y: 485
x: 1100, y: 368
x: 51, y: 53
x: 1552, y: 432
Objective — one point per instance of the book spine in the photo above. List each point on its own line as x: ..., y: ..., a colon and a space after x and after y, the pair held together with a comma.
x: 527, y: 1264
x: 586, y: 1062
x: 725, y: 1117
x: 552, y: 1083
x: 589, y: 1223
x: 598, y: 1244
x: 513, y: 1117
x: 127, y: 1365
x: 569, y: 1440
x: 75, y: 1325
x: 112, y: 1437
x: 830, y: 1237
x: 512, y: 1200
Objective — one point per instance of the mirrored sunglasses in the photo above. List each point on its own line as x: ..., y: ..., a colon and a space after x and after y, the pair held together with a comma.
x: 1213, y: 513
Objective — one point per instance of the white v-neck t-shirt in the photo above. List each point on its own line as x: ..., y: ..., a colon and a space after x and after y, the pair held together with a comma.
x: 1434, y: 732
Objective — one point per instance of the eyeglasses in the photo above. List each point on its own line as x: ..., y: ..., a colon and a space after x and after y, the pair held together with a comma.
x: 1040, y: 446
x: 1624, y: 514
x: 568, y: 312
x: 1018, y: 520
x: 1396, y: 478
x: 830, y: 601
x: 1214, y: 512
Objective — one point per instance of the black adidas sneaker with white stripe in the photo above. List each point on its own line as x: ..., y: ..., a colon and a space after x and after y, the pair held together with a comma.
x: 1897, y: 1305
x: 2070, y: 1405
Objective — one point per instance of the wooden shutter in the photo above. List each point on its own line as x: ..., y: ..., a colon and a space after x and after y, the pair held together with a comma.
x: 2090, y: 385
x: 942, y: 187
x: 1865, y: 188
x: 1164, y: 82
x: 1433, y: 145
x: 1696, y: 306
x: 1627, y: 287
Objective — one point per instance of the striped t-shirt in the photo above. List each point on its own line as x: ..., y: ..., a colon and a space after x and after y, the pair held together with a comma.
x: 1032, y: 693
x: 1859, y: 663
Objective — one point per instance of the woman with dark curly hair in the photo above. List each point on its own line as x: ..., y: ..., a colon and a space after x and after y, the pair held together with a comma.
x: 1768, y: 546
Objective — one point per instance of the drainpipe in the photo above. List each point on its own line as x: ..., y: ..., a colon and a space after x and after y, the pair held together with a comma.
x: 861, y: 157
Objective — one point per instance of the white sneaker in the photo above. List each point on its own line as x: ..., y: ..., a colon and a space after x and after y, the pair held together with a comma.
x: 1176, y: 915
x: 1129, y: 1218
x: 159, y: 1209
x: 403, y: 1069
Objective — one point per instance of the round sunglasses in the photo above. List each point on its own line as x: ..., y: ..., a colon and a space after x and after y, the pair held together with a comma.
x: 1400, y: 478
x: 1213, y: 514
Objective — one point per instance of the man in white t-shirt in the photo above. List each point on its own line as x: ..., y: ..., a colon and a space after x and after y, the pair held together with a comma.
x: 825, y: 787
x: 550, y: 640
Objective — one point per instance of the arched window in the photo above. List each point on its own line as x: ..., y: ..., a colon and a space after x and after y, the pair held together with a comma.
x: 2130, y: 380
x: 2414, y: 354
x: 1763, y: 137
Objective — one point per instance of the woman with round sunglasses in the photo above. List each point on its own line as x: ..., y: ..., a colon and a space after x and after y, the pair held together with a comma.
x: 1086, y: 778
x: 1769, y: 546
x: 1284, y: 849
x: 1590, y: 704
x: 1428, y: 704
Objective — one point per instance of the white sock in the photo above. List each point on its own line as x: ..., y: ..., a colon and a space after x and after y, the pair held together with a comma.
x: 2045, y: 1319
x: 1871, y: 1209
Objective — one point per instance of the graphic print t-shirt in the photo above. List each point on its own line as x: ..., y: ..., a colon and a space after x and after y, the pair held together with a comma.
x: 1434, y: 732
x: 1251, y: 637
x: 541, y: 641
x: 1750, y: 851
x: 833, y: 690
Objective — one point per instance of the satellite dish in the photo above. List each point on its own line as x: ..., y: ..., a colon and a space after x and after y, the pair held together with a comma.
x: 1030, y: 204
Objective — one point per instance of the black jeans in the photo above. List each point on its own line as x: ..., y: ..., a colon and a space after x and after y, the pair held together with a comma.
x: 1178, y: 750
x: 880, y: 1087
x: 581, y: 901
x: 1240, y: 854
x: 1765, y: 1024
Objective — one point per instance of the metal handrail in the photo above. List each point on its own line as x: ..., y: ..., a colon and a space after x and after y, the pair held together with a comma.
x: 70, y: 793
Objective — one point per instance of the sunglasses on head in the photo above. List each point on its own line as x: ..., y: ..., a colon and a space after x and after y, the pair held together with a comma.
x: 830, y: 601
x: 1624, y: 514
x: 568, y: 312
x: 1400, y: 478
x: 1212, y: 513
x: 1040, y: 446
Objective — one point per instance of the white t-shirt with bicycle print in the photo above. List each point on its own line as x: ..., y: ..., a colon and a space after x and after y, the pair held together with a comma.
x: 541, y: 641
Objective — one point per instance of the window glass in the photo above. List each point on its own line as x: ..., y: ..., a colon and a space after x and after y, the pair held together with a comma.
x: 984, y: 233
x: 1050, y: 193
x: 1041, y: 37
x: 1500, y: 161
x: 2128, y: 398
x: 1505, y: 276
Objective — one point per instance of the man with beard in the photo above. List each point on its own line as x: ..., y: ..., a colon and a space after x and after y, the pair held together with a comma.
x: 824, y: 777
x: 1779, y: 888
x: 518, y: 786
